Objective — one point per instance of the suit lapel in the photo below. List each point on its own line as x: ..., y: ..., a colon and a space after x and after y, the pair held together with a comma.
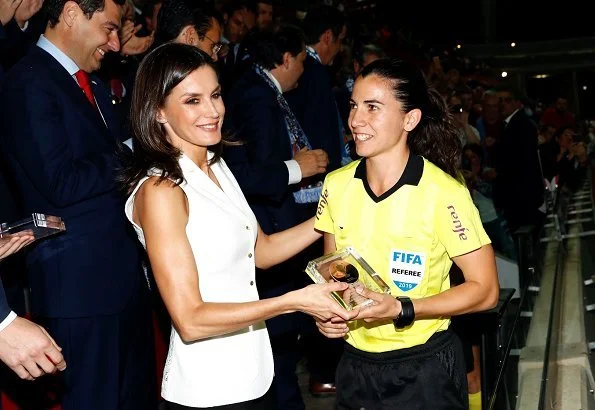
x: 104, y: 103
x: 70, y: 87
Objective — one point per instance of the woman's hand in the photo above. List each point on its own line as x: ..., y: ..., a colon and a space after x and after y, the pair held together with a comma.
x: 333, y: 328
x: 316, y: 301
x: 384, y: 307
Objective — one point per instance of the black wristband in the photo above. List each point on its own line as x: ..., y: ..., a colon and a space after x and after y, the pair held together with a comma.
x: 407, y: 315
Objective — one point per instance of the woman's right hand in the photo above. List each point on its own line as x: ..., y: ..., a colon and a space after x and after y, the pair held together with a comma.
x: 316, y: 300
x: 334, y: 328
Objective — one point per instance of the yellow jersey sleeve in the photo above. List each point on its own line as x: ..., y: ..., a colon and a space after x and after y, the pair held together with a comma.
x: 324, y: 218
x: 458, y: 223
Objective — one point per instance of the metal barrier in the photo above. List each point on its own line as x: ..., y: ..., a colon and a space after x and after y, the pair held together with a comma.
x: 541, y: 264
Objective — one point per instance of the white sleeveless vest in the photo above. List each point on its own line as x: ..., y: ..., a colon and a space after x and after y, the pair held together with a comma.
x: 222, y: 232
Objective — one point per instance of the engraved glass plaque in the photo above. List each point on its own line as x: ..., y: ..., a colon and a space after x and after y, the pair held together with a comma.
x: 38, y: 225
x: 346, y: 265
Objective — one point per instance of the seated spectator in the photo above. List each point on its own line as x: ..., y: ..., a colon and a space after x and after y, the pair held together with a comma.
x: 481, y: 192
x: 467, y: 133
x: 558, y: 116
x: 546, y: 133
x: 564, y: 155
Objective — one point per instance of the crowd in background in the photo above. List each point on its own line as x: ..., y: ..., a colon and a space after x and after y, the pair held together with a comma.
x: 509, y: 145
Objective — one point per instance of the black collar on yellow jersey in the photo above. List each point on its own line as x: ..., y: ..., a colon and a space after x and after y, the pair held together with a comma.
x: 411, y: 176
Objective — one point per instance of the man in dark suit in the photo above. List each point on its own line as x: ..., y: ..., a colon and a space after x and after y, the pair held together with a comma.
x: 269, y: 166
x: 313, y: 101
x: 25, y: 347
x: 518, y: 189
x: 314, y: 104
x: 60, y: 140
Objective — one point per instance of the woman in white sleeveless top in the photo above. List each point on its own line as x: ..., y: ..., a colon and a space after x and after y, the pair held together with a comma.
x: 203, y: 240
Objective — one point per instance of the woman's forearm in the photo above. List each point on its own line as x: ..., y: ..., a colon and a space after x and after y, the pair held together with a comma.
x: 276, y: 248
x: 467, y: 297
x: 215, y: 319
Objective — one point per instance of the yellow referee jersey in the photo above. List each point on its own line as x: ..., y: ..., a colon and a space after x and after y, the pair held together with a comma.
x: 407, y: 235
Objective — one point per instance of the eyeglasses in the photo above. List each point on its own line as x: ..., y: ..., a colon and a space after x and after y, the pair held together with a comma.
x: 216, y: 46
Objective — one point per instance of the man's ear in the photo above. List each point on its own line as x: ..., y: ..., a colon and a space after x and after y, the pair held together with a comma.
x: 412, y: 118
x: 286, y: 59
x: 327, y: 37
x: 189, y: 36
x: 70, y: 12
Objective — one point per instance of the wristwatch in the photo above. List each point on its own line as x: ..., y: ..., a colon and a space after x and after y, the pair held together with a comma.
x: 407, y: 315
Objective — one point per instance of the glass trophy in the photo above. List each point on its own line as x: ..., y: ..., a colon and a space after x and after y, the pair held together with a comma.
x: 37, y: 225
x: 346, y: 265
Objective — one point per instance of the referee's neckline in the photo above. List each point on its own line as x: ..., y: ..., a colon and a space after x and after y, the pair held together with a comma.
x: 411, y: 176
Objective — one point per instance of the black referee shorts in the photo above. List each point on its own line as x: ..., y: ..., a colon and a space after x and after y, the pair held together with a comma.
x: 429, y: 376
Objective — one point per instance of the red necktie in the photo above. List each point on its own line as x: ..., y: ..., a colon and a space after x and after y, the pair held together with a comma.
x: 83, y: 80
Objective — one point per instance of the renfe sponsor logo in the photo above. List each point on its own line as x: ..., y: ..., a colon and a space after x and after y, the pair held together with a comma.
x: 458, y: 227
x: 322, y: 203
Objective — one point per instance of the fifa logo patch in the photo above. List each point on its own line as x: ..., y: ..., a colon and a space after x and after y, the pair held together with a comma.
x: 407, y: 268
x: 457, y: 225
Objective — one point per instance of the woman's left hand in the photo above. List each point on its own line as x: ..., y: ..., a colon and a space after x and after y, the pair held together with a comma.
x: 384, y: 306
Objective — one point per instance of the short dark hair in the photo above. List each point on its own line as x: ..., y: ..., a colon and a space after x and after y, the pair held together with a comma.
x: 237, y: 5
x: 158, y: 74
x: 320, y: 19
x: 53, y: 8
x: 177, y: 14
x: 511, y: 89
x: 267, y: 48
x: 476, y: 149
x: 360, y: 52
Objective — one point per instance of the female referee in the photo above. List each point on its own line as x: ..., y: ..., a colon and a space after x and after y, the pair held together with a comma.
x: 404, y: 209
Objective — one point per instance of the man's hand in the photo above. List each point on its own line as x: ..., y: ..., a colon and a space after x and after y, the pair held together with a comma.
x: 7, y: 10
x: 136, y: 45
x: 489, y: 141
x: 26, y: 10
x: 128, y: 30
x: 311, y: 162
x: 14, y: 243
x: 29, y: 350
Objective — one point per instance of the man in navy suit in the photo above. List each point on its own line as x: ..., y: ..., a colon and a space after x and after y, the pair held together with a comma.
x: 24, y: 346
x: 271, y: 167
x: 517, y: 165
x: 314, y: 104
x: 60, y: 141
x: 313, y: 101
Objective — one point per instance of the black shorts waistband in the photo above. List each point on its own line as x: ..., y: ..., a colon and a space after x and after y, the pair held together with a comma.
x: 435, y: 344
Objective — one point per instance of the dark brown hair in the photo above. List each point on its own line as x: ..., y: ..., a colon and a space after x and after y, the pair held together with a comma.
x: 158, y: 74
x: 435, y: 137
